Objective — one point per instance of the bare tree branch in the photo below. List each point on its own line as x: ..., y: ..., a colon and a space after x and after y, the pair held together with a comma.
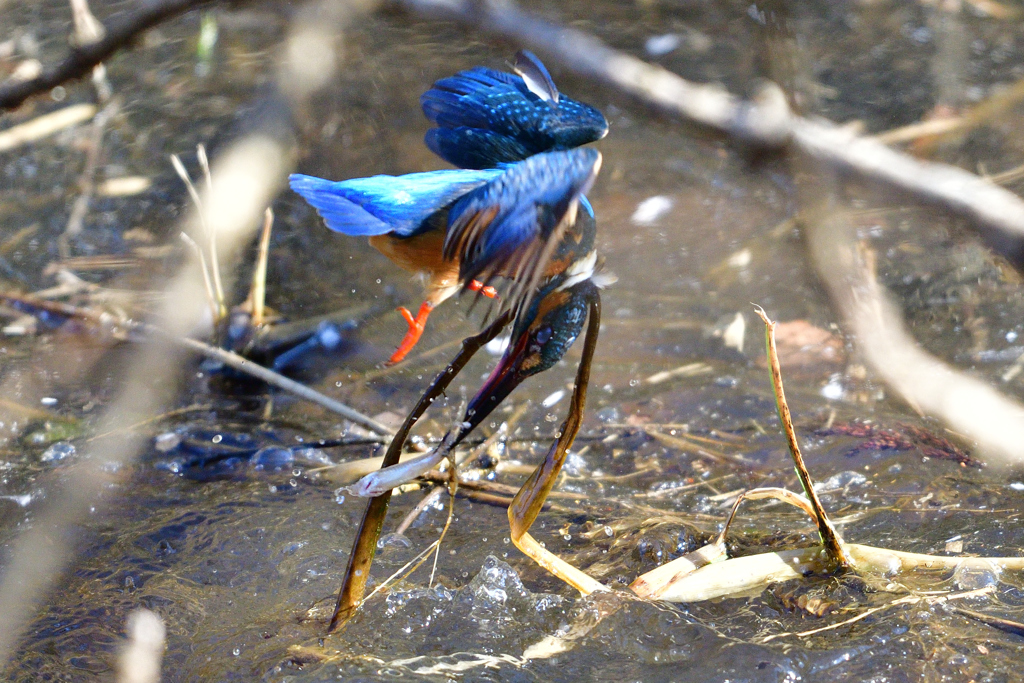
x: 116, y: 34
x: 764, y: 121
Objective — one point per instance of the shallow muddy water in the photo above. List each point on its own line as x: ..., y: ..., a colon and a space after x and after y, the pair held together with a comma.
x: 238, y: 538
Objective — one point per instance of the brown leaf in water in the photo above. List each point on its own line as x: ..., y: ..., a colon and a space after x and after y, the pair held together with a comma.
x: 802, y: 344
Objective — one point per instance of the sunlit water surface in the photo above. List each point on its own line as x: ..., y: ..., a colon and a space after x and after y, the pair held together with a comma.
x: 241, y: 549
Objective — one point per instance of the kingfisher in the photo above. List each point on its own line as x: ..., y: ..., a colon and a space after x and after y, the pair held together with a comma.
x: 489, y: 124
x: 515, y: 211
x: 546, y: 323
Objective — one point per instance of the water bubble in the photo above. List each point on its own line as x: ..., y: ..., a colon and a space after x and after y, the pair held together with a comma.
x: 553, y: 398
x: 167, y: 441
x: 841, y: 481
x: 394, y: 541
x: 972, y: 575
x: 634, y: 382
x: 237, y: 651
x: 656, y: 46
x: 58, y: 451
x: 272, y: 458
x: 339, y: 494
x: 217, y: 438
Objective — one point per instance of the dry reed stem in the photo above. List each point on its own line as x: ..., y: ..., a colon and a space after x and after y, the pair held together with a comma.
x: 830, y: 539
x: 46, y: 125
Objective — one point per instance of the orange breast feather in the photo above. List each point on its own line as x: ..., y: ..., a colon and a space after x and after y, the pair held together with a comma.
x: 420, y: 254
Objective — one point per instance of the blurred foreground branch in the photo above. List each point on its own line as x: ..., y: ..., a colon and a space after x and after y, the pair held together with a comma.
x: 113, y: 36
x: 247, y: 177
x: 970, y: 406
x: 765, y: 121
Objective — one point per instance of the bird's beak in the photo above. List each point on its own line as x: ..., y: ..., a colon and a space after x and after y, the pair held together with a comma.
x: 505, y: 377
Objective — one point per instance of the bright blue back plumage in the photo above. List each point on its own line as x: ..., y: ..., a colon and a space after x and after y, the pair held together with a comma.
x: 386, y: 204
x: 506, y: 225
x: 486, y: 117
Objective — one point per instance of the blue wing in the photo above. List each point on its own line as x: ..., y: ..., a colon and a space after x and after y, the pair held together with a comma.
x: 383, y: 204
x: 474, y: 147
x: 511, y: 225
x: 486, y: 117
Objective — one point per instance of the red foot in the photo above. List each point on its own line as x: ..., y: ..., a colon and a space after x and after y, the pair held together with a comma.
x: 415, y: 330
x: 477, y: 286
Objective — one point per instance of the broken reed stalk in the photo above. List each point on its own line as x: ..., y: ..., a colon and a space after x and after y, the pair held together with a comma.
x: 365, y: 545
x: 529, y: 501
x: 830, y: 539
x: 258, y: 293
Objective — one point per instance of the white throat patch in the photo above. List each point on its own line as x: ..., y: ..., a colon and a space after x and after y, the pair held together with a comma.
x: 580, y: 270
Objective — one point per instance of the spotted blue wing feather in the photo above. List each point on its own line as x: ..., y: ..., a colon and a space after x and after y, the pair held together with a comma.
x: 511, y: 225
x: 474, y: 147
x: 512, y: 116
x: 386, y: 204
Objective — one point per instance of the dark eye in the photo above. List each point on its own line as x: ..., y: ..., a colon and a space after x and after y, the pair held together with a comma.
x: 543, y: 334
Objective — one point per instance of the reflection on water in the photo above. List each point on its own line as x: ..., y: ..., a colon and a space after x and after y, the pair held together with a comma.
x: 237, y: 538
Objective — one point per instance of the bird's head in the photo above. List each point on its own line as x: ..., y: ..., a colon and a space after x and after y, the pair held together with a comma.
x: 541, y: 336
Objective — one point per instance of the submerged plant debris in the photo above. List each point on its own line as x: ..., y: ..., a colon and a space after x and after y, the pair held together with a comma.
x: 234, y: 526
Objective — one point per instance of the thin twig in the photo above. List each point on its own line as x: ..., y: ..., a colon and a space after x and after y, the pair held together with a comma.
x: 232, y: 360
x: 907, y: 600
x: 453, y: 487
x: 426, y: 502
x: 198, y: 251
x: 86, y: 182
x: 89, y: 30
x: 45, y: 125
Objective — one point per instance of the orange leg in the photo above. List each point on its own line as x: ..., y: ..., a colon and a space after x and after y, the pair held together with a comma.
x: 477, y: 286
x: 415, y: 330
